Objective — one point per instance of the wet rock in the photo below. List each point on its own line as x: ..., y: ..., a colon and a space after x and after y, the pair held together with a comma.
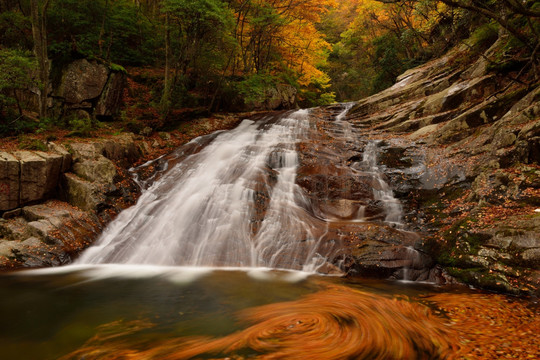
x: 40, y: 228
x: 395, y: 157
x: 48, y: 234
x: 341, y: 208
x: 42, y: 212
x: 372, y: 249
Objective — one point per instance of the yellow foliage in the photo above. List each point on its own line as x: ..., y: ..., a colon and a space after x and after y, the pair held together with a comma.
x: 285, y: 28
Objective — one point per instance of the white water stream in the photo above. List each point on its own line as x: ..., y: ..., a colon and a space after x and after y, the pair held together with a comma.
x: 201, y: 213
x: 382, y: 191
x: 234, y: 204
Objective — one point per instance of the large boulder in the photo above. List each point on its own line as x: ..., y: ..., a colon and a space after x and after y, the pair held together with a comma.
x: 82, y: 81
x: 279, y: 97
x: 111, y: 97
x: 89, y: 89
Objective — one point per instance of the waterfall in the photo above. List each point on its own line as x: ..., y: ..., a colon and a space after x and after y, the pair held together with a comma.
x: 232, y: 204
x: 232, y: 200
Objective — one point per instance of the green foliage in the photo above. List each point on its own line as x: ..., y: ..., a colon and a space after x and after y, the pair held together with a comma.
x: 388, y: 61
x: 484, y: 36
x: 15, y: 30
x: 16, y: 69
x: 111, y: 30
x: 117, y: 68
x: 26, y: 143
x: 81, y: 127
x: 253, y: 88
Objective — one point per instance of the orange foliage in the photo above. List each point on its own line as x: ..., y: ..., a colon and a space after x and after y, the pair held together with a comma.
x: 336, y: 323
x: 343, y: 323
x: 266, y: 28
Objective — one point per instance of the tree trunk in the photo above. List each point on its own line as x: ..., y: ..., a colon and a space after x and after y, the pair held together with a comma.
x: 167, y: 81
x: 38, y: 10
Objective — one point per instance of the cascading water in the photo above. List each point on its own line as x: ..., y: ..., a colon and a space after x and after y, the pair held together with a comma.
x: 235, y: 203
x: 382, y: 191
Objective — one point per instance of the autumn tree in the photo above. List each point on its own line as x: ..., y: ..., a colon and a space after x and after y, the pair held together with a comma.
x: 517, y: 18
x: 278, y: 42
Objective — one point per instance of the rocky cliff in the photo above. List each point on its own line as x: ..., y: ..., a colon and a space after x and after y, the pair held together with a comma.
x: 87, y: 89
x: 467, y: 137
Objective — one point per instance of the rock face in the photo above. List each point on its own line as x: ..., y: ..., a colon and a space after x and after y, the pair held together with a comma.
x: 280, y: 97
x: 89, y: 89
x: 30, y: 176
x: 344, y: 176
x: 10, y: 170
x: 473, y: 134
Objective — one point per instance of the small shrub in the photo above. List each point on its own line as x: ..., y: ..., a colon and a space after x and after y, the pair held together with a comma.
x: 32, y: 144
x: 80, y: 127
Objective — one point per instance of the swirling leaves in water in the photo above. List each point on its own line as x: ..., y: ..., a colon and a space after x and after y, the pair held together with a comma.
x: 337, y: 323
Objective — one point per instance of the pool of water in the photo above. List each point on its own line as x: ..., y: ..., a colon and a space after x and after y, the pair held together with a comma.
x: 75, y: 311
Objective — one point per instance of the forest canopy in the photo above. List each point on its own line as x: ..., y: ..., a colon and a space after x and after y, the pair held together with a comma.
x: 212, y: 52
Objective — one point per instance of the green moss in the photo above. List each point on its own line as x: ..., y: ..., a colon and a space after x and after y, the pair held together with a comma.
x: 458, y: 243
x: 117, y: 68
x: 69, y: 148
x: 482, y: 278
x: 32, y: 144
x: 505, y: 59
x: 484, y: 36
